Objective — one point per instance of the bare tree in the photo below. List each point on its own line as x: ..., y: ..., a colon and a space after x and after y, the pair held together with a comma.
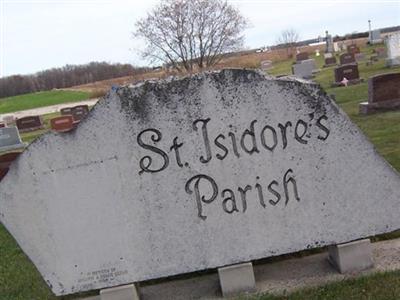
x: 186, y: 34
x: 288, y: 38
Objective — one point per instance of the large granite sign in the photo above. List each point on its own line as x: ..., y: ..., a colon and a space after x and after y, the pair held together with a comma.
x: 171, y: 177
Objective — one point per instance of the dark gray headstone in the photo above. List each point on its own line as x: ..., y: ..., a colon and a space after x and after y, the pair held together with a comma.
x: 29, y: 123
x: 347, y: 58
x: 350, y: 72
x: 304, y: 69
x: 10, y: 139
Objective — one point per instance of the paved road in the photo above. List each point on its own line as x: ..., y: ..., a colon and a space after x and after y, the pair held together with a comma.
x: 47, y: 109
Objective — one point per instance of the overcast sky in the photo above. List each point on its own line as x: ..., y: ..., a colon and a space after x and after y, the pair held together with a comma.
x: 37, y: 35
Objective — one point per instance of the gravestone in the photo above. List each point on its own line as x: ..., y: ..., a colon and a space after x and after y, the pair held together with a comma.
x: 336, y: 47
x: 329, y: 43
x: 359, y: 57
x: 30, y: 123
x: 347, y: 58
x: 304, y: 69
x: 10, y: 139
x: 328, y: 55
x: 301, y: 56
x: 375, y: 37
x: 393, y: 50
x: 80, y: 112
x: 310, y: 62
x: 177, y: 176
x: 66, y: 111
x: 380, y: 52
x: 383, y: 93
x: 353, y: 49
x: 266, y: 65
x: 5, y: 162
x: 330, y: 61
x: 62, y: 123
x: 350, y: 72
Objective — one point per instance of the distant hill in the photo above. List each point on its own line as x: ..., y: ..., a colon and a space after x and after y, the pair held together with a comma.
x: 64, y: 77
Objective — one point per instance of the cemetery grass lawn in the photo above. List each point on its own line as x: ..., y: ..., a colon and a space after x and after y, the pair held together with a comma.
x: 40, y: 99
x: 379, y: 286
x: 19, y: 279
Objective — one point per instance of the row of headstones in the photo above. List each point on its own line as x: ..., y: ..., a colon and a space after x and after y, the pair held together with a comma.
x: 69, y: 118
x: 306, y: 67
x: 391, y: 53
x: 10, y: 139
x: 383, y: 89
x: 347, y: 73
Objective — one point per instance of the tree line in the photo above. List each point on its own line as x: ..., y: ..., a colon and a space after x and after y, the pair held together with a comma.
x: 67, y: 76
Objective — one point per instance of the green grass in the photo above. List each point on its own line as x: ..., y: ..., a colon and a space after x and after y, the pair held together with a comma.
x: 40, y: 99
x: 379, y: 286
x: 19, y: 279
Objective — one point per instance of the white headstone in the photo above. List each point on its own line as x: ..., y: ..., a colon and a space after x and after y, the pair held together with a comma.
x: 172, y: 177
x: 10, y: 139
x: 336, y: 47
x: 393, y: 49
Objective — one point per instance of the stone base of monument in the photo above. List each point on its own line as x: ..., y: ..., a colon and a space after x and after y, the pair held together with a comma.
x: 377, y: 41
x: 24, y: 130
x: 350, y: 82
x: 124, y: 292
x: 366, y: 108
x: 351, y: 257
x: 393, y: 62
x: 237, y: 279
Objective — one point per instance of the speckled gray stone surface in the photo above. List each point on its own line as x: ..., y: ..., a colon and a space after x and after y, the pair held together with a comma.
x: 176, y: 176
